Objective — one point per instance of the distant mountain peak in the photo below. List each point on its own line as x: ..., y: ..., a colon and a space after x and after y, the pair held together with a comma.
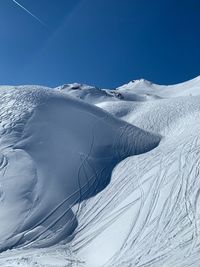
x: 142, y: 80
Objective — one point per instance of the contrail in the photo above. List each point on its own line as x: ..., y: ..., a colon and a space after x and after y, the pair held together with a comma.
x: 26, y: 10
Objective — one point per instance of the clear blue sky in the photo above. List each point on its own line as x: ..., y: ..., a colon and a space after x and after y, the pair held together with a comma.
x: 100, y: 42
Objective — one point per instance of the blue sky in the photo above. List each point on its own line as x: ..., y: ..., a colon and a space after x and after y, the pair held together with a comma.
x: 99, y: 42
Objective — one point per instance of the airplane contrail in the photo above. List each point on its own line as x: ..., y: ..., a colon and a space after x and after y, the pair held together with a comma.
x: 26, y: 10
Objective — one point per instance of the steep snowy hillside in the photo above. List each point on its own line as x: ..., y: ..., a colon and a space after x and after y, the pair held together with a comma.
x: 115, y: 182
x: 55, y: 152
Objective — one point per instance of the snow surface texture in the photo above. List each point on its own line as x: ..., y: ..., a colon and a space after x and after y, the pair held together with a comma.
x: 111, y: 183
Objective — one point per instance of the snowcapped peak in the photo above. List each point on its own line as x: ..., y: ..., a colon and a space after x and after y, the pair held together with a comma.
x: 75, y: 86
x: 88, y: 93
x: 137, y: 86
x: 142, y: 80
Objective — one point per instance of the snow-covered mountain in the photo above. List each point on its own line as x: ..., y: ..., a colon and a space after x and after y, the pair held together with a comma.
x: 100, y: 177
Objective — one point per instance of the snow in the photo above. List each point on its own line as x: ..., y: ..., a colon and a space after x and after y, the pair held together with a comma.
x: 142, y: 86
x: 89, y: 94
x: 97, y: 177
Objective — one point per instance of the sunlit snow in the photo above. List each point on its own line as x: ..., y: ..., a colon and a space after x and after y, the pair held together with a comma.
x: 97, y: 177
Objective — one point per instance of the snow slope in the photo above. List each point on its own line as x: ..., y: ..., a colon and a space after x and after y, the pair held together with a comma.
x: 55, y: 152
x: 142, y: 86
x: 112, y: 183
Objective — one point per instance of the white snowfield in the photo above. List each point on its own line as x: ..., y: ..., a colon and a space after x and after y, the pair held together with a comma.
x: 112, y: 179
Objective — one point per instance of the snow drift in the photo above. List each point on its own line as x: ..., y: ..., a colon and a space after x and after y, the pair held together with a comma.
x: 55, y: 152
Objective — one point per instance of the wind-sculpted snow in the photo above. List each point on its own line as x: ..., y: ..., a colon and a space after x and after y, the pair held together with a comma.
x: 127, y: 208
x: 55, y: 153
